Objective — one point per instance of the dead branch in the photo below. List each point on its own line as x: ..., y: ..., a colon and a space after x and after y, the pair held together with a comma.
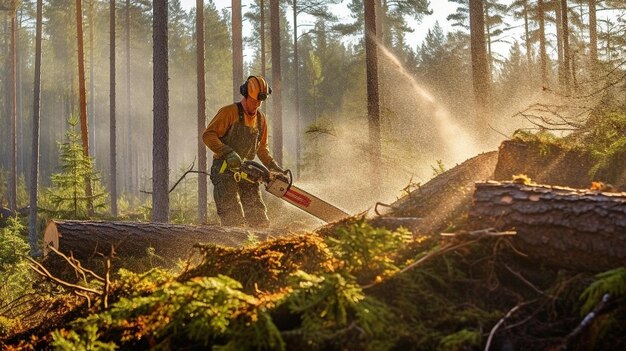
x: 41, y: 270
x: 601, y: 307
x: 76, y: 265
x: 500, y: 322
x: 190, y: 170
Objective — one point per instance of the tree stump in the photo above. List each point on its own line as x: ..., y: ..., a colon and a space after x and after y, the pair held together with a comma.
x: 580, y: 229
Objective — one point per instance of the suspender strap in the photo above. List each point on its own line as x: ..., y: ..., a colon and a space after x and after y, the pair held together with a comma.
x: 240, y: 108
x: 258, y: 121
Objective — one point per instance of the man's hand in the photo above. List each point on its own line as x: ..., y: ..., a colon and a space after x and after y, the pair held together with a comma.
x: 274, y: 167
x: 233, y: 161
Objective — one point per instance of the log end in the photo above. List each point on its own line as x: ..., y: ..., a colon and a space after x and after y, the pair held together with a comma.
x: 50, y: 238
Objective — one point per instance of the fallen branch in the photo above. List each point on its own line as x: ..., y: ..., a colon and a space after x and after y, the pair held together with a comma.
x: 598, y: 310
x: 495, y: 327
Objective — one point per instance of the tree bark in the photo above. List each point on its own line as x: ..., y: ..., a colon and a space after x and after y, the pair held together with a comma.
x: 33, y: 237
x: 543, y: 56
x: 112, y: 102
x: 84, y: 130
x: 202, y: 150
x: 561, y: 226
x: 160, y: 134
x: 566, y: 49
x: 296, y: 61
x: 277, y: 103
x: 446, y: 197
x: 593, y: 32
x: 12, y: 186
x: 237, y: 48
x: 373, y: 95
x: 480, y: 66
x: 86, y: 239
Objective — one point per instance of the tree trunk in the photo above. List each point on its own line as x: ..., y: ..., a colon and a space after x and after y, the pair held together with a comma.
x: 12, y: 190
x: 561, y: 226
x: 297, y: 85
x: 566, y: 49
x: 132, y: 187
x: 112, y: 104
x: 92, y: 89
x: 237, y: 48
x: 202, y: 150
x: 86, y: 239
x: 262, y: 34
x: 373, y: 95
x: 277, y: 104
x: 529, y: 45
x: 480, y: 69
x: 593, y: 32
x: 33, y: 237
x: 160, y: 134
x: 543, y: 56
x: 82, y: 97
x: 445, y: 198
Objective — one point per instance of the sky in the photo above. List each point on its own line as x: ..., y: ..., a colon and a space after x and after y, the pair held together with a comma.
x: 441, y: 9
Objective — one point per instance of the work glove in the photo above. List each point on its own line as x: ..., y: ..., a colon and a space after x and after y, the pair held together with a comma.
x: 274, y: 167
x: 233, y: 161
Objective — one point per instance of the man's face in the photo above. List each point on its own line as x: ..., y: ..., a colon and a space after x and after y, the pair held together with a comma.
x: 251, y: 105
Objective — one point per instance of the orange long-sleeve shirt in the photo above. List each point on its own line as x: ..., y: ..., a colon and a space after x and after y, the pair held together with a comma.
x: 221, y: 123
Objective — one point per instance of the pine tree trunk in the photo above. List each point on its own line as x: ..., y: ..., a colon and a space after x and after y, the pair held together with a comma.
x: 543, y: 56
x: 82, y: 97
x: 12, y: 186
x: 277, y: 110
x: 593, y: 32
x: 202, y: 150
x: 33, y: 237
x: 561, y: 226
x: 237, y: 48
x: 296, y: 61
x: 112, y: 105
x: 262, y: 34
x: 566, y: 49
x: 480, y: 67
x: 160, y: 135
x: 86, y: 239
x: 373, y: 95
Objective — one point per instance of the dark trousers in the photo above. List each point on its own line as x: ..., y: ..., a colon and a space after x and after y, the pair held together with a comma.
x: 237, y: 203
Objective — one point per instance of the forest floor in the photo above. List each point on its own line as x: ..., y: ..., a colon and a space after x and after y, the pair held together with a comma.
x: 358, y: 284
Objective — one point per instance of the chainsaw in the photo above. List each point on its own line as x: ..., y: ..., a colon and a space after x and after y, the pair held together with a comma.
x: 280, y: 185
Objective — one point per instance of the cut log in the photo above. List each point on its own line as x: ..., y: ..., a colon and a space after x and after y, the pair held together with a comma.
x: 567, y: 227
x: 446, y: 197
x: 88, y: 239
x: 550, y: 164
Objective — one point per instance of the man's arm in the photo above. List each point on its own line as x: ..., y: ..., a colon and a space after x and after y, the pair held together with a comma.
x: 216, y: 129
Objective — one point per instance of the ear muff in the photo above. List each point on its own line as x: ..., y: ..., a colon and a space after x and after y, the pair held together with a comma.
x: 262, y: 96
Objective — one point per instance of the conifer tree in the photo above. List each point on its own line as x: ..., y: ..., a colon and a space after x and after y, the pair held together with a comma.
x: 67, y: 195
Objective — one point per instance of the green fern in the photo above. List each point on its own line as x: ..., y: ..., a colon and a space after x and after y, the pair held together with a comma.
x: 611, y: 282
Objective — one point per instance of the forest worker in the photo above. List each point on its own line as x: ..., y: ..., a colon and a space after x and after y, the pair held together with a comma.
x: 238, y: 132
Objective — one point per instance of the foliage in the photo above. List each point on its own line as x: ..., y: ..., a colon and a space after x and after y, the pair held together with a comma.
x: 22, y: 192
x: 461, y: 340
x: 606, y: 137
x: 367, y: 252
x: 67, y: 197
x: 440, y: 168
x: 15, y: 276
x: 612, y: 282
x: 87, y: 340
x: 332, y: 305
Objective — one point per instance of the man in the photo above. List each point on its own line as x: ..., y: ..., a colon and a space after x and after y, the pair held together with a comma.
x: 239, y: 132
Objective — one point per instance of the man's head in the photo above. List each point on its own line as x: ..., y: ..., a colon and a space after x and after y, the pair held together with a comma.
x: 255, y: 90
